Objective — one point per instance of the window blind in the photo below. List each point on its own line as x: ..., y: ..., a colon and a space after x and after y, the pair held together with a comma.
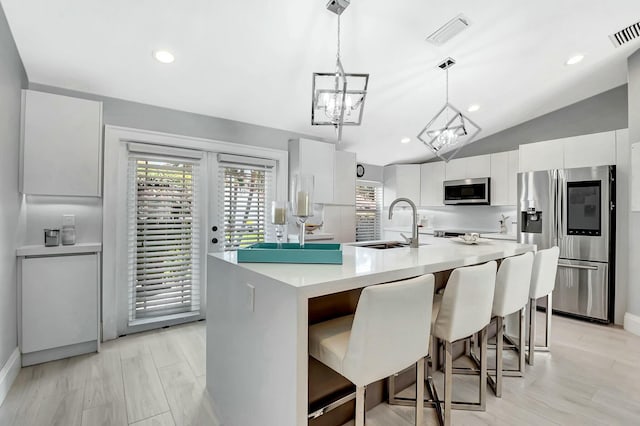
x: 368, y: 211
x: 246, y: 200
x: 164, y: 236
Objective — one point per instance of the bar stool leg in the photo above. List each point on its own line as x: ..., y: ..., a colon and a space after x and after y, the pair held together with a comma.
x: 360, y: 411
x: 522, y: 338
x: 532, y: 331
x: 483, y: 368
x: 420, y: 392
x: 448, y: 382
x: 547, y: 334
x: 499, y: 348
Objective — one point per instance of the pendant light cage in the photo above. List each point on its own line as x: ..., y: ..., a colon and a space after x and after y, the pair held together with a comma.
x: 449, y: 130
x: 338, y: 97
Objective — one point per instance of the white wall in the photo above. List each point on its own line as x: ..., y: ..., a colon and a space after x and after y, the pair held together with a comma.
x: 633, y: 292
x: 12, y: 80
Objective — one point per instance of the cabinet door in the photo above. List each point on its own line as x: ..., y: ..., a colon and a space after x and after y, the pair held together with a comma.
x: 318, y: 159
x: 456, y: 169
x: 500, y: 179
x: 513, y: 178
x: 545, y: 155
x: 478, y: 166
x: 401, y: 180
x: 431, y: 184
x: 61, y: 145
x: 344, y: 183
x: 408, y: 182
x: 597, y: 149
x: 59, y: 301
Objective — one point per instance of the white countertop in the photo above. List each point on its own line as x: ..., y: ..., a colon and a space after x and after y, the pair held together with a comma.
x: 363, y: 266
x: 498, y: 236
x: 41, y: 250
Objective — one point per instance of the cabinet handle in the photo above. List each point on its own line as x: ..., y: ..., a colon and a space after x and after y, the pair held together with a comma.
x: 214, y: 240
x: 591, y: 268
x: 214, y: 228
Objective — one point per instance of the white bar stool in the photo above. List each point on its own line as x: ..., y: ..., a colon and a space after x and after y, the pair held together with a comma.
x: 511, y: 295
x: 465, y: 310
x: 389, y: 332
x: 543, y: 281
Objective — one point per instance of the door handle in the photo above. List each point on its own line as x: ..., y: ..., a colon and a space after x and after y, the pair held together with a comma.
x: 590, y: 268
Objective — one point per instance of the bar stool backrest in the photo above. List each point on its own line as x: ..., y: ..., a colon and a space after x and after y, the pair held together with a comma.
x: 512, y: 285
x: 467, y: 302
x: 391, y: 329
x: 543, y: 277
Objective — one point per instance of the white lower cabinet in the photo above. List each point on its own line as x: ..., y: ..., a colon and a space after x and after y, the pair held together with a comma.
x: 59, y: 303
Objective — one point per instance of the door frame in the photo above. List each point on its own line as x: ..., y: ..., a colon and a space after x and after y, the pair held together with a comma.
x: 114, y: 226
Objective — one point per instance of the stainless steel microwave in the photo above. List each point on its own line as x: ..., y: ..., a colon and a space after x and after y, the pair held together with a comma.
x: 468, y: 191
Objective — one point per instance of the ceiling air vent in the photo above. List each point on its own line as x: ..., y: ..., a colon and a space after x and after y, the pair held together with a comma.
x: 625, y: 35
x: 448, y: 30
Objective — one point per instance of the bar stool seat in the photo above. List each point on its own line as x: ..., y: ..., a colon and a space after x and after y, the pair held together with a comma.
x: 389, y: 332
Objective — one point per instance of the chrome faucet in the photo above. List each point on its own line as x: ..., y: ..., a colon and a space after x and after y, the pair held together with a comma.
x: 413, y: 241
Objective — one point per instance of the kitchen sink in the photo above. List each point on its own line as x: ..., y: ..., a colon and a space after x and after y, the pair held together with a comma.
x: 385, y: 245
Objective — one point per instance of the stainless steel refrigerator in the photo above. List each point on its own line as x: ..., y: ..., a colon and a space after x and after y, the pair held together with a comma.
x: 575, y: 210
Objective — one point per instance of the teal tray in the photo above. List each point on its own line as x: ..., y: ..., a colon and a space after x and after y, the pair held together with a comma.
x: 291, y: 253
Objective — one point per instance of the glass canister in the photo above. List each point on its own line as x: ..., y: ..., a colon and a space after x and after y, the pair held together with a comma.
x: 68, y: 229
x: 51, y: 237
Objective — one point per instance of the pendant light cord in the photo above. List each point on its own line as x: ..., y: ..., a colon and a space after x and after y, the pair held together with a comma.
x: 338, y: 51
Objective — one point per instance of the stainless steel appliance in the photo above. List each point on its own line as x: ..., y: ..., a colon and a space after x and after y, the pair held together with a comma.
x: 467, y: 191
x: 575, y: 210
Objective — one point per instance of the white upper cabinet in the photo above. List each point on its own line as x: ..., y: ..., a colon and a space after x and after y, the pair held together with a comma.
x: 61, y: 145
x: 512, y: 168
x: 456, y: 169
x: 504, y: 175
x: 478, y: 166
x: 500, y: 179
x: 468, y: 167
x: 431, y: 184
x: 597, y: 149
x: 315, y: 158
x: 344, y: 184
x: 545, y: 155
x: 401, y: 180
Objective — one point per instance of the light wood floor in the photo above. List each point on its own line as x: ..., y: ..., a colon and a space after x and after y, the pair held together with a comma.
x: 150, y: 379
x: 592, y: 377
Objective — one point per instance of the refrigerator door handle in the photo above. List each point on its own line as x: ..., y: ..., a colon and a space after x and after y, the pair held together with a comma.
x: 560, y: 206
x: 564, y: 265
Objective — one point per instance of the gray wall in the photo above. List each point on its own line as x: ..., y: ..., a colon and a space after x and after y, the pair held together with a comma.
x: 124, y: 113
x: 633, y: 295
x: 12, y: 79
x: 600, y: 113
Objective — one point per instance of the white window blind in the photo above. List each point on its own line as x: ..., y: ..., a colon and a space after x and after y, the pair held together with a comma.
x: 164, y: 236
x: 368, y: 211
x: 246, y: 199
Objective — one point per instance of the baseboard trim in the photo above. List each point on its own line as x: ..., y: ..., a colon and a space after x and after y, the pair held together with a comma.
x: 632, y: 323
x: 9, y: 373
x: 47, y: 355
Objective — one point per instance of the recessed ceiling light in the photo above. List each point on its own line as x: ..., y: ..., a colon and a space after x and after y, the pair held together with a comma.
x: 164, y: 56
x: 574, y: 59
x: 405, y: 140
x: 473, y: 108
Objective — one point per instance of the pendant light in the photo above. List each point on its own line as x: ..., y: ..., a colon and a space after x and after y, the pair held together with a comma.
x: 338, y: 97
x: 450, y: 129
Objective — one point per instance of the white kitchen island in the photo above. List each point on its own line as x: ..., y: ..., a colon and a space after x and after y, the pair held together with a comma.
x: 258, y: 316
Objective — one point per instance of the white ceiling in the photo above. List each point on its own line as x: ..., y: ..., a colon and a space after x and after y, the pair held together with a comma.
x: 252, y: 60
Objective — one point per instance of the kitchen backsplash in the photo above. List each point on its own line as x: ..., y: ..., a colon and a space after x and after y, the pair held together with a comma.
x: 482, y: 218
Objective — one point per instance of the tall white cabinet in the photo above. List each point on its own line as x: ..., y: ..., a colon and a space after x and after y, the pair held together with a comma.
x: 401, y: 180
x: 61, y: 146
x: 318, y: 159
x: 431, y: 184
x: 504, y: 175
